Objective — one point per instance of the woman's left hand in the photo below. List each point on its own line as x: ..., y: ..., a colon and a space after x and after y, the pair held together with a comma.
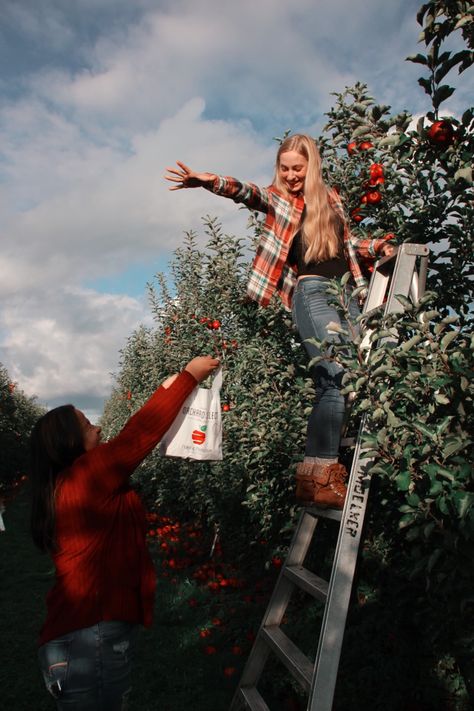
x: 187, y: 178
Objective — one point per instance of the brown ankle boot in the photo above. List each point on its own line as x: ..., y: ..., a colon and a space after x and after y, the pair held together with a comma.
x: 305, y: 482
x: 323, y: 486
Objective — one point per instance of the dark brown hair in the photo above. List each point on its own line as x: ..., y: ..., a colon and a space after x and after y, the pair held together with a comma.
x: 56, y: 441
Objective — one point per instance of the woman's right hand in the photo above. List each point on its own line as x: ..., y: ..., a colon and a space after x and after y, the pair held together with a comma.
x: 187, y: 178
x: 202, y: 366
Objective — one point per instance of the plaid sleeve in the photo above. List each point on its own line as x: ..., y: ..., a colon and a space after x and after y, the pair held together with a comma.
x: 251, y: 195
x: 368, y: 248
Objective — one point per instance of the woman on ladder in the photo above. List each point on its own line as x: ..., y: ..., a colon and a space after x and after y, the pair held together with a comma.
x: 305, y: 242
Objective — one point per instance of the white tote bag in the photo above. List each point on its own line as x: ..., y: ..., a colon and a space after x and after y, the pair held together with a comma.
x: 196, y: 433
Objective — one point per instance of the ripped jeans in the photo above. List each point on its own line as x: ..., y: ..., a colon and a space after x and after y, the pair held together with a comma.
x: 89, y: 669
x: 311, y: 315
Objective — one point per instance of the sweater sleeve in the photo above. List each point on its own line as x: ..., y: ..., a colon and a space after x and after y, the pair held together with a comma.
x: 109, y: 465
x: 251, y: 195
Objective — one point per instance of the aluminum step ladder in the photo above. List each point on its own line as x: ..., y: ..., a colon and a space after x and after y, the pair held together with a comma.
x: 403, y: 273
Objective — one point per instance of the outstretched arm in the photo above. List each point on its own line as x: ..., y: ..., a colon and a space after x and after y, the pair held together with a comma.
x: 110, y: 464
x: 251, y: 195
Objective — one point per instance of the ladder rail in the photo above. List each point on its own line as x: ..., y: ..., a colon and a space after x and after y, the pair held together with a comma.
x: 345, y: 559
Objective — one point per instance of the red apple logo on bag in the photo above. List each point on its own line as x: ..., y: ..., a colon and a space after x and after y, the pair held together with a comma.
x: 199, y: 436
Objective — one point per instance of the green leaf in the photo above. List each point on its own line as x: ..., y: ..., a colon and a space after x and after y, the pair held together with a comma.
x: 466, y: 19
x: 413, y: 341
x: 450, y: 319
x: 435, y: 488
x: 345, y: 278
x: 447, y: 339
x: 361, y: 131
x: 467, y: 117
x: 413, y: 500
x: 446, y: 474
x: 442, y: 426
x: 433, y: 559
x: 463, y: 502
x: 441, y: 94
x: 453, y: 445
x: 404, y: 301
x: 390, y: 140
x: 417, y: 59
x: 403, y: 480
x: 443, y: 506
x: 377, y: 469
x: 406, y: 520
x: 424, y: 430
x: 464, y: 174
x: 426, y: 84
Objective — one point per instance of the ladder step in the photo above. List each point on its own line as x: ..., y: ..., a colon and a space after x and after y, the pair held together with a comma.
x: 307, y: 581
x: 334, y: 514
x: 253, y: 699
x: 348, y: 441
x: 292, y: 657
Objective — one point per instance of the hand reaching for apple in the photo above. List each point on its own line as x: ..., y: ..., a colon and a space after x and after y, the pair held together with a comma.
x: 202, y: 366
x: 199, y: 367
x: 187, y: 178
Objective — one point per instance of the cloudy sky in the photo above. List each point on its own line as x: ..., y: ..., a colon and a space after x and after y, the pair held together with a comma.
x: 99, y: 96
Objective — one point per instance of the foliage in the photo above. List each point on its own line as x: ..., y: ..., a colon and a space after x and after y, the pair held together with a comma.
x: 414, y: 390
x: 17, y: 416
x: 423, y: 190
x: 264, y: 392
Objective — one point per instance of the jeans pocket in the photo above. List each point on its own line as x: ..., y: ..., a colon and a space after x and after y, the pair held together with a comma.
x: 53, y: 659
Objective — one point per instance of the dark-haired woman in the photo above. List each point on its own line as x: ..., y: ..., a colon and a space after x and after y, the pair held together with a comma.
x: 304, y: 243
x: 86, y: 515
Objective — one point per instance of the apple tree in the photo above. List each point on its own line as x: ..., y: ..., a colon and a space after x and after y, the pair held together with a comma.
x: 18, y: 413
x: 265, y: 393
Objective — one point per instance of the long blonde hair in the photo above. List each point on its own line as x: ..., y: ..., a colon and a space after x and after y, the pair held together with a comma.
x: 321, y: 225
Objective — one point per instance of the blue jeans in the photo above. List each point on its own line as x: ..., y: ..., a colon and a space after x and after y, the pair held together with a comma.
x: 311, y: 316
x: 89, y: 669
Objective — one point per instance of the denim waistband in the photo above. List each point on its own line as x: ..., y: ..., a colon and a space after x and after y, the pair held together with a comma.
x: 322, y: 282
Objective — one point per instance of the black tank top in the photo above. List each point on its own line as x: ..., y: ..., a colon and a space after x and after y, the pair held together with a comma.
x: 330, y: 268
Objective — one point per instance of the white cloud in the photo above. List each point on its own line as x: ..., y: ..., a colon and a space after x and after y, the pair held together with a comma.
x: 63, y: 344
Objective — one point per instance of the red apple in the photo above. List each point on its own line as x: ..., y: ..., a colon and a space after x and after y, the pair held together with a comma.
x: 351, y: 147
x: 230, y: 671
x: 376, y: 170
x: 356, y: 216
x: 441, y: 133
x: 365, y: 145
x: 374, y: 197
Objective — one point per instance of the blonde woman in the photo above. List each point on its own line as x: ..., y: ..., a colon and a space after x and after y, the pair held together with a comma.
x: 305, y: 242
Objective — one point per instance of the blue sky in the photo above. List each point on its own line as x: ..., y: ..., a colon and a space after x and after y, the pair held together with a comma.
x: 99, y: 96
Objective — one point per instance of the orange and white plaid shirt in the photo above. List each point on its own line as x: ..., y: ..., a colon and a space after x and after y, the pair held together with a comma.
x: 270, y: 271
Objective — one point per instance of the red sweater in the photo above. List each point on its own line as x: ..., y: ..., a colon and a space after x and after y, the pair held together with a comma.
x: 103, y: 568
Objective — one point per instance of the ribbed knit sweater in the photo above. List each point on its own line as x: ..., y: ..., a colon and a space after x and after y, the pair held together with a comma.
x: 103, y: 568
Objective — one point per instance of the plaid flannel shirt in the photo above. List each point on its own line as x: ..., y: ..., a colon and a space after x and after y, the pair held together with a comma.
x: 270, y: 271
